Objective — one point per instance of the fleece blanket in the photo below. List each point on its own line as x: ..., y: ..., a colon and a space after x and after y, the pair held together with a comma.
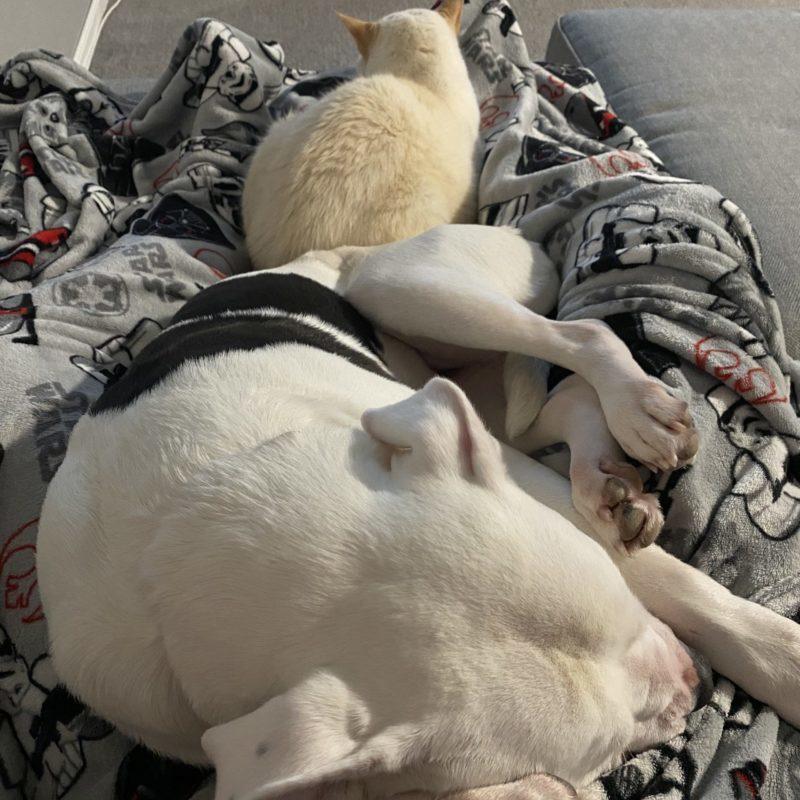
x: 111, y: 216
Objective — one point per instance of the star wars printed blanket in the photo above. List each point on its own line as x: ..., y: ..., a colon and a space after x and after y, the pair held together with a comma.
x: 111, y: 216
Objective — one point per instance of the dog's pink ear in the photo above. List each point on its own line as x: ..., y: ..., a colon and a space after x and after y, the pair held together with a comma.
x: 312, y: 737
x: 363, y: 32
x: 451, y: 11
x: 437, y: 429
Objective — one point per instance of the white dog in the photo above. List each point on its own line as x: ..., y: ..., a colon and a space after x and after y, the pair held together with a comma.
x: 267, y: 548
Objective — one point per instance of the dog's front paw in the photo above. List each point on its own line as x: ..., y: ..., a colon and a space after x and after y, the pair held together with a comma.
x: 650, y: 424
x: 611, y: 496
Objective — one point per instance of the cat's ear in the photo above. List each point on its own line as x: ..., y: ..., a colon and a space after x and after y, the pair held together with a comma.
x: 363, y: 32
x: 451, y: 11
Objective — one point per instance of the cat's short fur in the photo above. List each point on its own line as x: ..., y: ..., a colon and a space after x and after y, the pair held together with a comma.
x: 381, y: 158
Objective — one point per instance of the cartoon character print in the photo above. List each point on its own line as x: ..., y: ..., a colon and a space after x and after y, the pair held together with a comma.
x: 538, y: 154
x: 574, y: 76
x: 177, y: 218
x: 620, y: 237
x: 47, y: 117
x: 42, y: 729
x: 294, y: 75
x: 93, y: 108
x: 220, y: 64
x: 111, y: 358
x: 765, y: 476
x: 19, y: 81
x: 304, y: 87
x: 216, y: 145
x: 18, y: 262
x: 273, y: 51
x: 95, y: 293
x: 196, y: 150
x: 508, y: 20
x: 18, y: 313
x: 596, y: 120
x: 237, y: 131
x: 668, y: 770
x: 507, y: 212
x: 102, y: 199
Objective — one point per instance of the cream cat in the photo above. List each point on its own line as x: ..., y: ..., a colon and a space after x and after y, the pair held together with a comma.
x: 381, y: 158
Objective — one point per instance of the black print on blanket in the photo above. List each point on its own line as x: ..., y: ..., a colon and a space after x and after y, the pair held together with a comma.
x: 111, y: 358
x: 42, y: 731
x: 538, y: 154
x: 574, y: 76
x: 55, y: 410
x: 765, y: 476
x: 18, y: 319
x: 220, y: 63
x: 176, y: 218
x: 508, y: 19
x: 619, y: 237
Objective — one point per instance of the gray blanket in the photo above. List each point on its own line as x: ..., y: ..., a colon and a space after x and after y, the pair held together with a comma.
x: 112, y: 216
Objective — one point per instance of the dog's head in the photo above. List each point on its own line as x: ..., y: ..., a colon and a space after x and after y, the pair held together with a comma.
x: 408, y: 43
x: 469, y: 636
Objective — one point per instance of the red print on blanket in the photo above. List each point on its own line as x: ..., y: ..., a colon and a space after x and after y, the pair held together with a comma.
x: 739, y: 372
x: 16, y: 263
x: 27, y: 160
x: 18, y: 573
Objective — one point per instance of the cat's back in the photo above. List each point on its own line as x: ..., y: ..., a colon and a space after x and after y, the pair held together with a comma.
x: 379, y: 159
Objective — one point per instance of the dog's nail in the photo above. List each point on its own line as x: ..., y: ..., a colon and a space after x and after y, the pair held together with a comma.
x: 633, y: 519
x: 615, y: 492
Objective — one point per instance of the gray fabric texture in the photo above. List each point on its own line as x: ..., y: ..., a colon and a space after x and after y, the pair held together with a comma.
x: 113, y: 216
x: 716, y: 95
x: 139, y: 34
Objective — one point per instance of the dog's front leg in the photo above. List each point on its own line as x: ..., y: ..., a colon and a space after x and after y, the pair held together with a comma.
x: 751, y: 645
x: 606, y: 489
x: 428, y: 295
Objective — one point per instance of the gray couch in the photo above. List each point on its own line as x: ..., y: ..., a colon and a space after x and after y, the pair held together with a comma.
x: 716, y: 94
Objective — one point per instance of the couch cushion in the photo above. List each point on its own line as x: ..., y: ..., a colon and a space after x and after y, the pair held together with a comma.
x: 716, y: 94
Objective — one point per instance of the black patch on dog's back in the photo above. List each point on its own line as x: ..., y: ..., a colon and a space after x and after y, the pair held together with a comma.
x: 248, y: 313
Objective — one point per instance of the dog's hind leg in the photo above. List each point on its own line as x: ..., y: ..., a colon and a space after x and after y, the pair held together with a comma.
x: 606, y: 489
x: 751, y: 645
x: 451, y: 296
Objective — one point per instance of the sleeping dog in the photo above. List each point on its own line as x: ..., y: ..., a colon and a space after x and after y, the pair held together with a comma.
x: 283, y: 544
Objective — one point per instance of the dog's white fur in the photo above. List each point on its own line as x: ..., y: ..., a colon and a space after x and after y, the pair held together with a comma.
x: 353, y: 584
x: 380, y: 158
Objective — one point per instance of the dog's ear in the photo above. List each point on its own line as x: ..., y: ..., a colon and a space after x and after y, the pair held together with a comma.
x: 437, y: 429
x: 313, y: 736
x: 451, y: 11
x: 363, y: 32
